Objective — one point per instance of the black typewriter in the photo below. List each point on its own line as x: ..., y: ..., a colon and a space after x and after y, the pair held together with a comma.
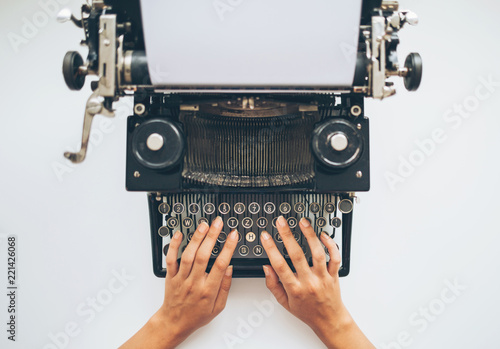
x: 247, y: 152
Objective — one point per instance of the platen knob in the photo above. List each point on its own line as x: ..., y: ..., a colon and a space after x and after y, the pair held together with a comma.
x: 158, y: 144
x: 414, y: 67
x: 73, y: 71
x: 337, y: 143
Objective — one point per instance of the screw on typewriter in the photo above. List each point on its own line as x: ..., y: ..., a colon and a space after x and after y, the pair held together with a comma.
x: 246, y: 152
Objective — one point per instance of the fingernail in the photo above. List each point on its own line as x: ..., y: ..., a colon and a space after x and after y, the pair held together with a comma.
x: 219, y: 223
x: 233, y: 235
x: 203, y: 228
x: 305, y: 223
x: 265, y: 235
x: 281, y: 221
x: 325, y: 235
x: 229, y: 270
x: 266, y: 270
x: 178, y: 235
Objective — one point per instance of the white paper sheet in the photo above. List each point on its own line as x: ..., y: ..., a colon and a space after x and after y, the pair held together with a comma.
x: 251, y: 43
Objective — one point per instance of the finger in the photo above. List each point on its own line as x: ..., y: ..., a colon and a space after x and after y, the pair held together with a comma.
x: 222, y: 262
x: 335, y: 257
x: 294, y: 250
x: 274, y: 285
x: 317, y: 251
x: 220, y: 301
x: 189, y: 253
x: 277, y: 261
x: 173, y: 252
x: 205, y: 251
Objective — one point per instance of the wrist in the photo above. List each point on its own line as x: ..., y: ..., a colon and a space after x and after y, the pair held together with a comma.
x: 332, y: 329
x: 168, y: 334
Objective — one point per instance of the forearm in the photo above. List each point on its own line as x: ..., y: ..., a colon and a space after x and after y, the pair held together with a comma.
x: 155, y: 334
x: 343, y: 333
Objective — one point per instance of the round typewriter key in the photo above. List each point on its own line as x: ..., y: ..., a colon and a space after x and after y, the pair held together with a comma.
x: 321, y: 222
x: 247, y: 223
x: 285, y: 208
x: 194, y: 208
x: 164, y: 208
x: 292, y: 222
x: 269, y: 208
x: 296, y: 236
x: 203, y: 220
x: 275, y: 219
x: 243, y: 250
x: 277, y: 237
x: 314, y: 207
x: 299, y: 207
x: 209, y: 208
x: 172, y: 222
x: 262, y: 222
x: 254, y: 208
x: 251, y: 237
x: 258, y: 250
x: 239, y: 208
x: 329, y: 208
x: 190, y: 236
x: 224, y: 208
x: 163, y: 231
x: 178, y: 208
x: 346, y: 206
x: 165, y: 249
x: 336, y: 222
x: 215, y: 250
x: 222, y: 237
x: 232, y: 222
x: 187, y: 222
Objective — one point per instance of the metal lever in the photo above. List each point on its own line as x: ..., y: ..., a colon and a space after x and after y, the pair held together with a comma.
x: 94, y: 107
x: 65, y: 15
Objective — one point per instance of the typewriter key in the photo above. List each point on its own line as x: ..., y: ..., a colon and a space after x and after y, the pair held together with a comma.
x: 275, y: 219
x: 203, y: 220
x: 258, y: 250
x: 269, y: 208
x: 329, y: 208
x: 346, y: 206
x: 262, y: 222
x: 285, y: 208
x: 239, y: 208
x: 215, y: 250
x: 251, y: 237
x: 232, y: 222
x: 299, y: 207
x: 190, y: 236
x: 172, y: 222
x: 292, y: 222
x: 178, y: 208
x: 321, y: 222
x: 296, y: 236
x: 163, y: 231
x: 194, y: 208
x: 209, y: 208
x: 243, y: 250
x: 277, y: 237
x: 254, y: 208
x: 314, y: 207
x: 336, y: 222
x: 164, y: 208
x: 247, y: 223
x: 224, y: 208
x: 222, y: 237
x: 187, y: 222
x: 165, y: 249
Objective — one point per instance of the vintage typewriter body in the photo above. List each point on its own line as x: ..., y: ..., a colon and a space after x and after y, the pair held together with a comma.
x: 248, y: 153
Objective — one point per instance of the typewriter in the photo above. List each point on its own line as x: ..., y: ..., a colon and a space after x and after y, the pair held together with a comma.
x: 243, y: 110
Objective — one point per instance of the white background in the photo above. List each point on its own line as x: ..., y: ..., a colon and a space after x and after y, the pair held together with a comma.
x: 440, y: 224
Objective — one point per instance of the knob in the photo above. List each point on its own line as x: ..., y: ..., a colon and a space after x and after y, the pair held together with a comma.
x: 73, y: 70
x: 158, y: 144
x: 64, y: 15
x: 411, y: 18
x: 414, y: 67
x: 337, y: 143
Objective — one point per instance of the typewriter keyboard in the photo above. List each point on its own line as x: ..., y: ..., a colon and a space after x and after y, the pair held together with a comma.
x: 250, y: 215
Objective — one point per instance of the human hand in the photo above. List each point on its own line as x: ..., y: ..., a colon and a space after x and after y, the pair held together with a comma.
x: 312, y: 294
x: 192, y: 297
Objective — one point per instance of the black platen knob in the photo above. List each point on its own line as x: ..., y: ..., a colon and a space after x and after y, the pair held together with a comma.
x: 158, y: 144
x: 337, y: 143
x: 73, y: 77
x: 414, y: 75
